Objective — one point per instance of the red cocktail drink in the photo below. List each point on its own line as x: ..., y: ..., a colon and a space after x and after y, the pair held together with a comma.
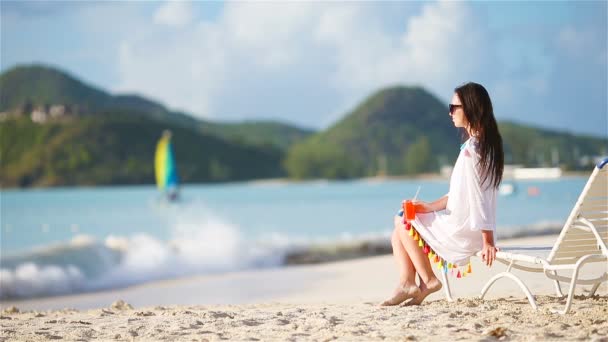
x: 409, y: 210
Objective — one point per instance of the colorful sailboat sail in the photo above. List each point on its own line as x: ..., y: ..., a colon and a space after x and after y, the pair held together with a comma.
x: 167, y: 179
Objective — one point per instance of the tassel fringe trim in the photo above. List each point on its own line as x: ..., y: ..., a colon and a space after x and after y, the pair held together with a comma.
x: 440, y: 263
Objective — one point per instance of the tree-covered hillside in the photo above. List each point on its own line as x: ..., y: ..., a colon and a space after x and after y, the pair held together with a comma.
x: 40, y: 85
x: 398, y: 130
x: 531, y: 146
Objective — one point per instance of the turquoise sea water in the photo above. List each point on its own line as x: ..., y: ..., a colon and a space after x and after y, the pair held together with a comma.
x: 80, y: 239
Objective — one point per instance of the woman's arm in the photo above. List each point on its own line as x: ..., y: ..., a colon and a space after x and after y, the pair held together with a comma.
x: 424, y: 207
x: 488, y: 252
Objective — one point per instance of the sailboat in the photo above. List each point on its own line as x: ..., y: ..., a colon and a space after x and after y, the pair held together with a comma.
x: 165, y: 168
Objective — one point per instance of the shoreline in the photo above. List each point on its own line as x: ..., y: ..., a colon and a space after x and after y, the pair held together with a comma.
x: 365, y: 278
x: 362, y: 248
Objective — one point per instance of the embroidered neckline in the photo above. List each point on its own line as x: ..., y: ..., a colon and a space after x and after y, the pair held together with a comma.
x: 464, y: 144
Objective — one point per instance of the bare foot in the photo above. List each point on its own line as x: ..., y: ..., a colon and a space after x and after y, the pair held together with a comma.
x: 402, y: 293
x: 425, y: 290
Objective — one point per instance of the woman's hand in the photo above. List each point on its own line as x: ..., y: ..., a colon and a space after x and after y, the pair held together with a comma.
x: 423, y: 207
x: 488, y: 253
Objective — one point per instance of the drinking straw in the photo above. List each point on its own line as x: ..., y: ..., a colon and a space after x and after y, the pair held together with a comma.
x: 417, y: 191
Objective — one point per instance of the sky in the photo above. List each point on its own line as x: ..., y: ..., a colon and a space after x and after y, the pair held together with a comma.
x: 544, y: 63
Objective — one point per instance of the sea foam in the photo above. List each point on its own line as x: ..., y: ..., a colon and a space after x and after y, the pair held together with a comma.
x: 197, y: 246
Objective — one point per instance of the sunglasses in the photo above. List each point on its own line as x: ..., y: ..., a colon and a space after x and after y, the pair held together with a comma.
x: 453, y: 107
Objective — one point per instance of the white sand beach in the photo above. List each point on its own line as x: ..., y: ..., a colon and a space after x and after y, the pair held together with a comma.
x: 313, y: 302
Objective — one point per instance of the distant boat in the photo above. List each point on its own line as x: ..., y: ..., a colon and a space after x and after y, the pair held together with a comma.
x: 507, y: 189
x: 165, y: 168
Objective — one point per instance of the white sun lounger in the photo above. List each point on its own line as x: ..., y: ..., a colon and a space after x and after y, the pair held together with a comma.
x: 582, y: 240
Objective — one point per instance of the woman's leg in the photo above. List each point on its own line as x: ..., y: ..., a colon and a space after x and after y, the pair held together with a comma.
x: 407, y: 273
x: 428, y: 281
x: 407, y: 282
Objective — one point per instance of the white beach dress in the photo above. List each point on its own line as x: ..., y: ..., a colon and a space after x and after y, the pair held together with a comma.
x: 455, y: 233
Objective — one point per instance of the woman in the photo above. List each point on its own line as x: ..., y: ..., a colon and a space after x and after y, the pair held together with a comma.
x: 461, y: 223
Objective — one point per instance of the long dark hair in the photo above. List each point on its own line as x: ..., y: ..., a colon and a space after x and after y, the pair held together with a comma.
x: 477, y: 108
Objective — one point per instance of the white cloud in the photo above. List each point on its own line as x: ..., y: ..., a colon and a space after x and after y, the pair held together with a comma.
x: 310, y: 62
x: 174, y: 13
x: 426, y: 51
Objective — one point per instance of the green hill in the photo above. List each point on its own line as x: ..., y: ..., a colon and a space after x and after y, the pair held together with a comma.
x: 109, y: 139
x: 118, y: 148
x: 406, y: 130
x: 397, y: 130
